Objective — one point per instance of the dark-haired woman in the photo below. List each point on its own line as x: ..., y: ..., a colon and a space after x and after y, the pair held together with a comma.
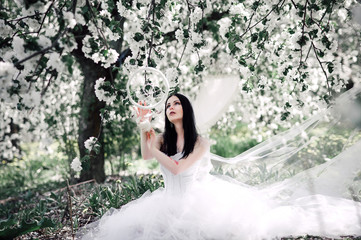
x: 179, y: 137
x: 197, y: 205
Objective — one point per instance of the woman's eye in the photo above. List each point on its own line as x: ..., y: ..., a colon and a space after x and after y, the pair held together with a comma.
x: 177, y: 103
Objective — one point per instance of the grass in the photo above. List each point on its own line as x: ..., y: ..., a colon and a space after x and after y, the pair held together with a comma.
x: 55, y: 215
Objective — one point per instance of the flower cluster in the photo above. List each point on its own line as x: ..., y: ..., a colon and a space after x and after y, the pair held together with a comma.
x: 101, y: 94
x: 76, y: 165
x: 91, y: 144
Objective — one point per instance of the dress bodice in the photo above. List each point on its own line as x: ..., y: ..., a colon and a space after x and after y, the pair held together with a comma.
x: 178, y: 184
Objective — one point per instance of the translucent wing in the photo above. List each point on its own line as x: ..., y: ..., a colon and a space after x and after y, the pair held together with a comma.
x: 213, y: 99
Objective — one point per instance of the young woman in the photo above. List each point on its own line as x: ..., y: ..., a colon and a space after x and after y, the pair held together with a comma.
x: 197, y: 205
x: 179, y: 137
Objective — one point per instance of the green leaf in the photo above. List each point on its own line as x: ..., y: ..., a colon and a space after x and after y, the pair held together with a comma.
x: 320, y: 53
x: 303, y: 40
x: 285, y: 115
x: 242, y: 61
x: 186, y: 33
x: 254, y: 37
x: 151, y: 63
x: 326, y: 42
x: 330, y: 67
x: 287, y: 105
x: 199, y: 67
x: 138, y: 36
x: 13, y: 230
x: 304, y: 87
x: 231, y: 45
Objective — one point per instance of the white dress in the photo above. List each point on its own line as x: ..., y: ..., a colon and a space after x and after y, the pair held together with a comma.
x: 197, y: 205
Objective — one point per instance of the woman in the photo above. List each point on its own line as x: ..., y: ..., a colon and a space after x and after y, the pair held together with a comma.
x: 197, y: 205
x: 179, y: 137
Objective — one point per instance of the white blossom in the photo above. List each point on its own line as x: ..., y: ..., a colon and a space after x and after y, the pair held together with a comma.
x: 179, y: 35
x: 69, y: 17
x: 224, y: 24
x: 101, y: 94
x: 76, y: 165
x: 7, y: 71
x: 91, y: 143
x: 32, y: 99
x: 196, y: 15
x: 239, y: 9
x: 342, y: 13
x: 105, y: 13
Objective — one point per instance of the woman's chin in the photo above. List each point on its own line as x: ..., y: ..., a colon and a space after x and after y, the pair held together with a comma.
x: 174, y: 119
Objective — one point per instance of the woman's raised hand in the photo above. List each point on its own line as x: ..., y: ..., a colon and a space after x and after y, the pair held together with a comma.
x: 142, y: 114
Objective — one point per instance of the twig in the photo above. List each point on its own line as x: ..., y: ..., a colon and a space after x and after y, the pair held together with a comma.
x: 71, y: 186
x: 255, y: 62
x: 324, y: 14
x: 303, y: 33
x: 21, y: 18
x: 41, y: 51
x: 152, y: 37
x: 189, y: 27
x: 70, y: 209
x: 308, y: 53
x: 46, y: 88
x: 247, y: 30
x: 100, y: 32
x: 294, y: 4
x: 185, y: 46
x: 45, y: 14
x: 328, y: 85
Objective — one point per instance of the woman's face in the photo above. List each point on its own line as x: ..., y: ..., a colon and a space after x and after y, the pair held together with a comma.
x: 174, y: 109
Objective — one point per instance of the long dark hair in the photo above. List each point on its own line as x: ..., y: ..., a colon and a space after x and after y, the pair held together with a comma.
x: 169, y: 145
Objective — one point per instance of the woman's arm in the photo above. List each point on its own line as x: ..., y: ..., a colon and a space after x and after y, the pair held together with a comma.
x: 144, y: 115
x: 175, y: 167
x: 144, y: 148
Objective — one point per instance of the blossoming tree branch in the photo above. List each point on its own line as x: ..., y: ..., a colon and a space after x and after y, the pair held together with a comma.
x: 64, y: 64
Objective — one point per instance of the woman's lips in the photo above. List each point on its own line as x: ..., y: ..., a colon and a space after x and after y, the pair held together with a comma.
x: 171, y: 113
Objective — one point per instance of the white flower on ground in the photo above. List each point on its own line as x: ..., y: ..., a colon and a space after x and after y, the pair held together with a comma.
x: 91, y: 143
x: 76, y: 165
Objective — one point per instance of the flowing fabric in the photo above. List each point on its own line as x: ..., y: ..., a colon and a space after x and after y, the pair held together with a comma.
x: 303, y: 181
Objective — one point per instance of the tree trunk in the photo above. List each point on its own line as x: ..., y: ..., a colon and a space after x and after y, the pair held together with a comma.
x: 90, y: 124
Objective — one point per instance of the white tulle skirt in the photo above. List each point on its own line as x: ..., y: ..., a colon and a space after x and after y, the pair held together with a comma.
x: 218, y: 209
